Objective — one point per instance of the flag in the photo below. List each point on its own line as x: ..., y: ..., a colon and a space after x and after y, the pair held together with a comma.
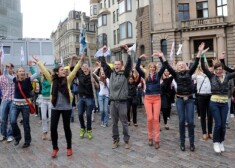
x: 172, y: 51
x: 179, y: 50
x: 22, y: 54
x: 82, y: 41
x: 61, y: 61
x: 3, y: 55
x: 133, y: 48
x: 100, y: 53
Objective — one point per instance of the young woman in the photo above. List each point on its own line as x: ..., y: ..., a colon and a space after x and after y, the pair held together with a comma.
x: 203, y: 98
x: 219, y: 102
x: 132, y: 100
x: 20, y: 104
x: 103, y: 97
x: 152, y: 99
x: 184, y: 97
x: 61, y: 99
x: 166, y: 92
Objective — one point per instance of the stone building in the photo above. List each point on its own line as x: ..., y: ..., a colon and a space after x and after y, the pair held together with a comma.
x: 66, y: 38
x: 116, y: 24
x: 190, y: 22
x: 11, y: 22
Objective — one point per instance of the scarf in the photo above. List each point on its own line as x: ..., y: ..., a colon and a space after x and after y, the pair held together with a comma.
x: 59, y: 85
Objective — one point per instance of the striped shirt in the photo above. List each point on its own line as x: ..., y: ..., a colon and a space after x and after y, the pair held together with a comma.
x: 7, y: 86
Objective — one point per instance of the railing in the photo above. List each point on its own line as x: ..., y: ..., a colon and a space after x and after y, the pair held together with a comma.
x: 203, y: 22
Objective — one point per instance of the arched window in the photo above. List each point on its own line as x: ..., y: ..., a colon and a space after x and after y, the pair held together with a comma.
x: 142, y: 49
x: 164, y: 46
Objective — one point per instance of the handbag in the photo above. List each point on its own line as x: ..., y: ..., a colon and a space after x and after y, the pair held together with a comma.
x: 32, y: 109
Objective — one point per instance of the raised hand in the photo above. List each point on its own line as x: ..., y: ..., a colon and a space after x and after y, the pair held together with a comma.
x: 35, y: 59
x: 143, y: 56
x: 201, y: 47
x: 204, y: 51
x: 30, y: 62
x: 158, y: 54
x: 222, y: 56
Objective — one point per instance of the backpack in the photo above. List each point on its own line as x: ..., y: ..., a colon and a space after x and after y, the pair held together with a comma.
x: 74, y: 88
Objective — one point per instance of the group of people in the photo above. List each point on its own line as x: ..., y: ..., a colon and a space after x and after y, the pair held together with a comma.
x: 117, y: 92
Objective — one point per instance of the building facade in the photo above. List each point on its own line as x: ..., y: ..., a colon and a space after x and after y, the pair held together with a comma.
x: 190, y: 22
x: 20, y: 51
x: 66, y: 38
x: 116, y: 24
x: 11, y: 22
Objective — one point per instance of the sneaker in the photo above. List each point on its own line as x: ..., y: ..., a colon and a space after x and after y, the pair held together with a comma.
x: 150, y: 142
x: 232, y: 115
x: 115, y: 144
x: 89, y: 134
x: 136, y: 125
x: 69, y: 152
x: 2, y: 138
x: 221, y: 145
x: 44, y: 136
x: 217, y: 147
x: 192, y: 147
x: 82, y: 133
x: 54, y: 153
x: 127, y: 146
x: 167, y: 127
x: 10, y: 138
x: 157, y: 146
x: 199, y: 117
x: 36, y: 115
x: 182, y: 147
x: 110, y: 116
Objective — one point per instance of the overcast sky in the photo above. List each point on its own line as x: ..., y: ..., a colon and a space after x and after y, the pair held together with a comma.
x: 41, y: 17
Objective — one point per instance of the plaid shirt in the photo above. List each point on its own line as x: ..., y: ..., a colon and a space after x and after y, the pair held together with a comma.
x: 7, y: 87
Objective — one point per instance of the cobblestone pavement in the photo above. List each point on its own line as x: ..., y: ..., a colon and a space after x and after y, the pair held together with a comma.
x: 97, y: 153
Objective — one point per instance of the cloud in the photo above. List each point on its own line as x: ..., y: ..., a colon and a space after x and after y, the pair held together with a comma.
x: 41, y: 17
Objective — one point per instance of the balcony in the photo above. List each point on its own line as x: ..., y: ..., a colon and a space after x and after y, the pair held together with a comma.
x: 93, y: 18
x: 203, y: 23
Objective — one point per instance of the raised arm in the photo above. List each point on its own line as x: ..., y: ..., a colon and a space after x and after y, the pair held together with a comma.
x: 128, y: 67
x: 226, y: 68
x: 205, y: 69
x: 43, y: 69
x: 160, y: 55
x: 5, y: 73
x: 106, y: 67
x: 72, y: 75
x: 137, y: 67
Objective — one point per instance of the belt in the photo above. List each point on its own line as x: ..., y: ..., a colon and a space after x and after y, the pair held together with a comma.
x: 184, y: 97
x: 20, y: 103
x: 204, y: 94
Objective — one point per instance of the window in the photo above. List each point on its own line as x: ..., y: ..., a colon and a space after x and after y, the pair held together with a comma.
x: 141, y: 29
x: 125, y: 6
x: 164, y: 46
x: 109, y: 3
x: 100, y: 5
x: 183, y: 12
x: 202, y: 10
x: 142, y: 49
x: 91, y: 27
x: 114, y: 37
x: 114, y: 17
x: 102, y: 40
x: 102, y: 20
x: 94, y: 10
x: 208, y: 43
x: 117, y: 12
x: 77, y: 25
x: 118, y: 36
x: 77, y: 38
x: 105, y: 4
x: 91, y: 10
x: 113, y: 2
x: 222, y: 8
x: 77, y: 51
x: 125, y: 30
x: 7, y: 49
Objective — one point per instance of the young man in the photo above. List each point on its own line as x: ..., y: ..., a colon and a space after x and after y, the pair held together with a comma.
x: 118, y: 96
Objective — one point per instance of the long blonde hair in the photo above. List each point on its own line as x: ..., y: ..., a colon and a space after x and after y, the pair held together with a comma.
x: 148, y: 71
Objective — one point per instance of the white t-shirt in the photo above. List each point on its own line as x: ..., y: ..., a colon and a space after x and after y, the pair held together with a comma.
x: 104, y: 90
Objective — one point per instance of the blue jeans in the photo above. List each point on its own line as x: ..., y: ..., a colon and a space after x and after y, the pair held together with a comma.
x: 85, y: 104
x: 15, y: 128
x: 103, y: 105
x: 6, y: 108
x: 219, y: 112
x: 186, y: 107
